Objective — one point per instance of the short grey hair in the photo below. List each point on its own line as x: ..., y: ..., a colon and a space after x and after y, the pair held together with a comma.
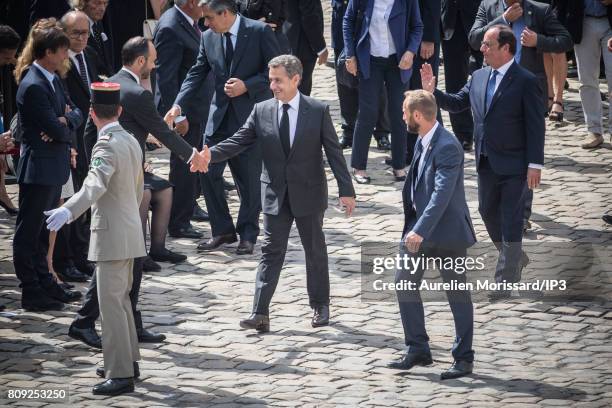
x: 219, y: 6
x: 291, y: 63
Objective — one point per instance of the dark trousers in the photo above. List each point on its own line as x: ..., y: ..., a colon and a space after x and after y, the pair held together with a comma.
x: 384, y: 72
x: 90, y: 310
x: 457, y: 52
x: 185, y: 192
x: 276, y: 236
x: 308, y: 64
x: 31, y: 240
x: 349, y: 106
x: 501, y: 203
x: 413, y: 315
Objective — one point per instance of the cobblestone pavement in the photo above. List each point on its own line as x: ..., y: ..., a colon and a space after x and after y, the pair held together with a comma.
x: 528, y: 353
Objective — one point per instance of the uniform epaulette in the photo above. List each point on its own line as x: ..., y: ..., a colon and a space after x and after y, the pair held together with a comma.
x: 106, y: 137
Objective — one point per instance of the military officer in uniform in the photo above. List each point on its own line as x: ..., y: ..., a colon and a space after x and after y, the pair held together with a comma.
x: 113, y: 189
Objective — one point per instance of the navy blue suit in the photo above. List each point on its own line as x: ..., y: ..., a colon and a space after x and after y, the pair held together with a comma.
x: 43, y: 168
x: 512, y: 132
x: 177, y: 43
x: 435, y: 208
x: 255, y: 46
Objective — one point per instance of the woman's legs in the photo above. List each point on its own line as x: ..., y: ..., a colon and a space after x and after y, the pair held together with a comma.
x: 161, y: 204
x: 144, y: 211
x: 559, y: 77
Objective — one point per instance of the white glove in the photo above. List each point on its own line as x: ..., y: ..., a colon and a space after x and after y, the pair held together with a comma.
x: 57, y: 218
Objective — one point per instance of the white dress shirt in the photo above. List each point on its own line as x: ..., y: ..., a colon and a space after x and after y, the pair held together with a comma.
x: 73, y: 58
x: 381, y: 41
x: 293, y: 115
x: 234, y: 32
x: 50, y: 76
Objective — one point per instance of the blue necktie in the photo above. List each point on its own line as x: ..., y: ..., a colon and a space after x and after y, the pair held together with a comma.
x: 415, y: 166
x: 517, y: 28
x: 491, y: 88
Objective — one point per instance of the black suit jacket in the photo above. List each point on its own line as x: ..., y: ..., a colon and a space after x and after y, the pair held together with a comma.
x: 300, y: 175
x: 139, y: 117
x: 105, y: 53
x: 430, y: 15
x: 304, y: 28
x: 48, y: 8
x: 40, y: 106
x: 539, y: 17
x: 571, y: 13
x: 177, y: 44
x: 458, y: 12
x: 255, y: 47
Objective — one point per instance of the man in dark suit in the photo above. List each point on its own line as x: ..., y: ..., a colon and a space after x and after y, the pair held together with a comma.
x: 177, y: 41
x: 304, y: 29
x: 139, y: 117
x: 236, y: 50
x: 47, y: 121
x: 457, y: 19
x: 292, y: 129
x: 99, y: 38
x: 509, y: 138
x: 47, y: 8
x: 437, y: 224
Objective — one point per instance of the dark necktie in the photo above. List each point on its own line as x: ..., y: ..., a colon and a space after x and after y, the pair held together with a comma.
x: 97, y: 34
x: 196, y: 28
x: 415, y: 166
x: 82, y: 70
x: 284, y: 129
x: 491, y: 88
x: 57, y: 87
x: 229, y: 50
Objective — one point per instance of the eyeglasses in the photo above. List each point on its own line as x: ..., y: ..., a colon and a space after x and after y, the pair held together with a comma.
x: 487, y: 44
x: 78, y: 34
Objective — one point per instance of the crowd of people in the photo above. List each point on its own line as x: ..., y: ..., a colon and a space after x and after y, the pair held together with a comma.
x: 222, y: 82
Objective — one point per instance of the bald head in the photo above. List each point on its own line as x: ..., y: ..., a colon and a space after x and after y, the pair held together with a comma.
x: 76, y: 27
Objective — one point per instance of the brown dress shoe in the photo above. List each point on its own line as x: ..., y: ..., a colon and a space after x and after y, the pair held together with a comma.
x: 259, y: 322
x: 593, y: 141
x: 216, y: 242
x: 245, y: 248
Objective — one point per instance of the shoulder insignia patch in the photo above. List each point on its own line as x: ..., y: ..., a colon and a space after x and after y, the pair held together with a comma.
x: 96, y: 162
x: 106, y: 137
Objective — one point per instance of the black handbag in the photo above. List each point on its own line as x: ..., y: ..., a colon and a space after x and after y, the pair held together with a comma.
x: 344, y: 77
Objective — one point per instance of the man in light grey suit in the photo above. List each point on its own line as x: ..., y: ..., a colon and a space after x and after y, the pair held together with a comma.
x: 437, y: 224
x: 113, y: 189
x: 292, y: 130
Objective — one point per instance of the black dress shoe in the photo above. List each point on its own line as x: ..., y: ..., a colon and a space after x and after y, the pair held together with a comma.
x: 87, y: 336
x: 458, y: 369
x: 149, y: 265
x: 216, y: 242
x: 100, y: 371
x: 199, y: 214
x: 499, y: 294
x: 86, y: 267
x: 320, y: 316
x: 258, y: 322
x: 607, y: 218
x: 146, y: 336
x: 165, y: 255
x: 399, y: 175
x: 410, y: 360
x: 114, y: 386
x: 467, y: 146
x: 37, y: 300
x: 360, y: 179
x: 245, y: 248
x: 383, y: 144
x: 63, y: 295
x: 71, y: 274
x: 346, y: 141
x: 188, y: 232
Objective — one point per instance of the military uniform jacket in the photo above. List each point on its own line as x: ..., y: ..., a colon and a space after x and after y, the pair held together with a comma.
x: 113, y: 189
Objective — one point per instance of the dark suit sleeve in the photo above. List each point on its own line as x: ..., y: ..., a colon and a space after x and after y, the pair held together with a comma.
x: 348, y: 28
x: 269, y: 48
x: 90, y: 138
x: 455, y: 103
x: 535, y: 125
x: 430, y: 15
x: 194, y: 81
x: 244, y: 138
x: 147, y: 116
x: 555, y: 37
x: 169, y: 56
x: 39, y: 107
x: 333, y: 152
x: 481, y: 26
x: 311, y: 16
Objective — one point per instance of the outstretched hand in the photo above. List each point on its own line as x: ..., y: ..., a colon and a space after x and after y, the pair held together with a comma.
x: 428, y: 80
x: 57, y: 218
x: 200, y: 161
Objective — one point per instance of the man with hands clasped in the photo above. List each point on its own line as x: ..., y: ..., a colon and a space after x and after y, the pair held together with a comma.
x: 293, y: 130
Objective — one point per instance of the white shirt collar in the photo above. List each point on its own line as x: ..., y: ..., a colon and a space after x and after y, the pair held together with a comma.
x: 107, y: 126
x: 426, y: 140
x: 234, y: 28
x: 189, y: 19
x: 49, y: 75
x: 294, y: 102
x: 504, y: 68
x: 132, y: 74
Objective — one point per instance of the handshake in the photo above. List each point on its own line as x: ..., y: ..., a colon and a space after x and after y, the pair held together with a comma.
x: 200, y: 160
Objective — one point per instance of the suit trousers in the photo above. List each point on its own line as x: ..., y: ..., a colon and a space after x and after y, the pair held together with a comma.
x: 276, y: 236
x: 185, y: 192
x: 349, y: 106
x: 119, y: 338
x: 501, y: 203
x: 457, y: 53
x: 90, y: 310
x: 595, y: 35
x: 384, y: 72
x: 31, y: 240
x: 308, y: 63
x: 412, y: 312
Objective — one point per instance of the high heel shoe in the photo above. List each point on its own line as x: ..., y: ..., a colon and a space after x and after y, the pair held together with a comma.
x: 9, y: 210
x: 556, y: 116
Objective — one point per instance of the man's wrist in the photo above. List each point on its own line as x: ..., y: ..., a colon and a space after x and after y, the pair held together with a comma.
x: 536, y: 166
x: 193, y: 153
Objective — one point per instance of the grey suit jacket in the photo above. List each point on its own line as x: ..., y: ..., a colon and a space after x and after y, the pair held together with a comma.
x: 113, y: 189
x: 300, y: 175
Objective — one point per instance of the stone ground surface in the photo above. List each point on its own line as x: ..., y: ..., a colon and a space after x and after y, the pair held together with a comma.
x: 528, y: 354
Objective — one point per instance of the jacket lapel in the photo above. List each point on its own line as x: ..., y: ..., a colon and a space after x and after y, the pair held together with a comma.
x: 427, y: 153
x: 506, y: 81
x: 185, y: 24
x: 76, y: 76
x: 302, y: 120
x: 49, y: 87
x: 241, y: 44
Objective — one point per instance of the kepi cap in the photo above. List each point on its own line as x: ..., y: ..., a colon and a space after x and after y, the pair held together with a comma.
x: 105, y: 93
